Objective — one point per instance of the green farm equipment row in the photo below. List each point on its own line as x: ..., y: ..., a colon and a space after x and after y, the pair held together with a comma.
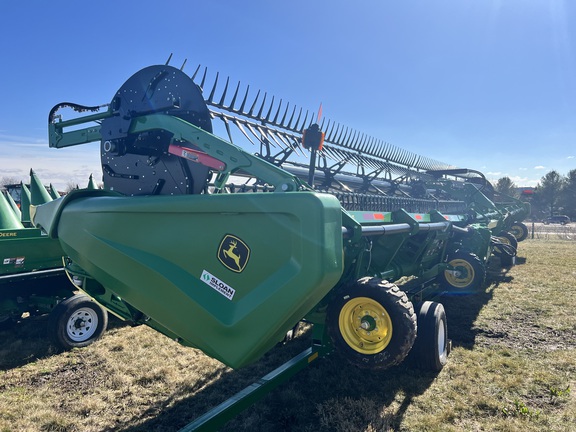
x: 192, y: 231
x: 32, y: 277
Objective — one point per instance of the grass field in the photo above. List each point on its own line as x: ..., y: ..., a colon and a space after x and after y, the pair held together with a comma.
x: 512, y: 368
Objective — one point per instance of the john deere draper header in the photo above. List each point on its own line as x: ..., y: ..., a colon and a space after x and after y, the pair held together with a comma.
x: 226, y: 242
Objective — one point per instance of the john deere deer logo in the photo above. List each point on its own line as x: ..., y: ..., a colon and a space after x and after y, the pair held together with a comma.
x: 233, y: 253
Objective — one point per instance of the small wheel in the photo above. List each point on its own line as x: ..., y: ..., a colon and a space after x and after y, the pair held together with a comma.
x: 465, y: 274
x: 77, y: 322
x: 430, y: 350
x: 519, y: 230
x: 372, y: 323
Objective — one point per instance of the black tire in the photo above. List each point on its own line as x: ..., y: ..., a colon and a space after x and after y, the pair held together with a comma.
x: 431, y: 347
x: 77, y: 322
x: 372, y: 324
x: 519, y: 230
x: 466, y: 276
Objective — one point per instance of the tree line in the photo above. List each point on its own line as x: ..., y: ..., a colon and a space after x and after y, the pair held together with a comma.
x: 555, y: 194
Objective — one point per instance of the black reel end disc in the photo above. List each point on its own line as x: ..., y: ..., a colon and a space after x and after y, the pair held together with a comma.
x: 139, y: 164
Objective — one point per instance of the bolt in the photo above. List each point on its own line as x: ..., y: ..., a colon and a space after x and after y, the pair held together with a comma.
x: 109, y: 146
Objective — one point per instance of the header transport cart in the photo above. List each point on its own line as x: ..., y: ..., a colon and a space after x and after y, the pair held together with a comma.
x: 32, y: 278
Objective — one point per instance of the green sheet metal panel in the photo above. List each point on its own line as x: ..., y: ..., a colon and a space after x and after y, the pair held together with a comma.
x: 229, y: 274
x: 24, y: 250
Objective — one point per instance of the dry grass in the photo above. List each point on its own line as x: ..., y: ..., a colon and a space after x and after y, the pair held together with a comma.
x: 513, y: 368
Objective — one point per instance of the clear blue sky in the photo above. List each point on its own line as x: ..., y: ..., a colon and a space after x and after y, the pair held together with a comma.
x: 488, y: 85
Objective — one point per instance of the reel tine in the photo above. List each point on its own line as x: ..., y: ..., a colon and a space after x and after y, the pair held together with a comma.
x: 394, y: 155
x: 362, y: 143
x: 264, y: 133
x: 366, y: 145
x: 352, y: 137
x: 343, y: 136
x: 332, y: 152
x: 281, y: 136
x: 304, y: 122
x: 259, y: 115
x: 233, y: 101
x: 267, y: 119
x: 285, y: 114
x: 291, y: 118
x: 228, y: 131
x: 221, y: 103
x: 401, y: 157
x: 357, y: 142
x: 390, y: 152
x: 203, y: 78
x: 337, y: 138
x: 373, y: 146
x: 211, y: 97
x: 241, y: 109
x: 293, y: 143
x: 193, y: 76
x: 297, y: 121
x: 330, y: 134
x: 239, y: 126
x: 368, y: 148
x: 354, y: 142
x: 254, y: 104
x: 420, y: 162
x: 348, y: 138
x: 370, y: 145
x: 278, y: 139
x: 252, y: 131
x: 277, y: 113
x: 406, y: 158
x: 381, y: 149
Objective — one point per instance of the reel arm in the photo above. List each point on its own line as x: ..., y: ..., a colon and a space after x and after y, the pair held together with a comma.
x: 232, y: 158
x: 58, y: 138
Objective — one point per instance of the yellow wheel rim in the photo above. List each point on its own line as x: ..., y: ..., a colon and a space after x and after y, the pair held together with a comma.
x: 365, y: 325
x: 465, y: 276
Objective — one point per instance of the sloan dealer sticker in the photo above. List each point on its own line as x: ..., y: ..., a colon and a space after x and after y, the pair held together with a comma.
x: 216, y: 284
